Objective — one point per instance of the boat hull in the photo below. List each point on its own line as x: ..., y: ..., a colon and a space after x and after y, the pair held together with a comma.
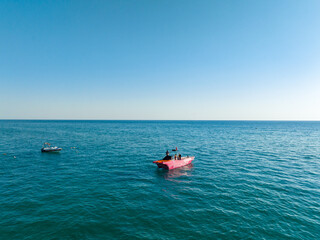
x: 172, y: 164
x: 51, y: 150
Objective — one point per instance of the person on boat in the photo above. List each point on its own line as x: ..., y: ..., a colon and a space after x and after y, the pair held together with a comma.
x: 179, y: 157
x: 175, y: 157
x: 167, y: 157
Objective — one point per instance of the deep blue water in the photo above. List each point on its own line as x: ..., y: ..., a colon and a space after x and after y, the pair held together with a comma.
x: 249, y: 180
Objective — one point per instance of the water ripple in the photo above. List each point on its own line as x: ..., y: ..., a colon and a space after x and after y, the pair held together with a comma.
x: 249, y: 180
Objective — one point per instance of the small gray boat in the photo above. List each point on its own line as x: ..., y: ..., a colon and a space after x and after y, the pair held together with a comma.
x: 47, y: 148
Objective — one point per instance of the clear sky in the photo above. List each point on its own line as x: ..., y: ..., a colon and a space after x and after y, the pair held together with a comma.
x: 219, y: 60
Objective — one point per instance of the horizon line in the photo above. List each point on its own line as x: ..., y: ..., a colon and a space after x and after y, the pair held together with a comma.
x: 248, y: 120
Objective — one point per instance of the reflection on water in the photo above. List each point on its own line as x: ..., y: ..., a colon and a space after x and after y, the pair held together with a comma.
x: 176, y: 173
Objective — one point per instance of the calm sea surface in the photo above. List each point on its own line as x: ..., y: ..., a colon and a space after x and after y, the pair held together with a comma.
x: 249, y: 180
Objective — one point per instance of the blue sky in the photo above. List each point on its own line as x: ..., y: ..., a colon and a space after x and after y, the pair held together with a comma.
x: 219, y: 60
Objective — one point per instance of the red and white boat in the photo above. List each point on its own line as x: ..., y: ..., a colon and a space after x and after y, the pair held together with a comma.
x: 171, y: 164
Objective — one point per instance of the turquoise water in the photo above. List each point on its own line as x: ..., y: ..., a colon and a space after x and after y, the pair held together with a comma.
x: 249, y: 180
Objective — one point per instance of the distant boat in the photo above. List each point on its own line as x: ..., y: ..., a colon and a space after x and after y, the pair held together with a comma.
x: 47, y: 148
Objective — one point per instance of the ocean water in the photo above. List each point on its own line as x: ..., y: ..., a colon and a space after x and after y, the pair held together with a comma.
x: 249, y: 180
